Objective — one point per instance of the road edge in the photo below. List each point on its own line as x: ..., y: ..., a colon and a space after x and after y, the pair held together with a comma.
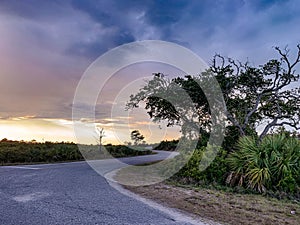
x: 176, y: 214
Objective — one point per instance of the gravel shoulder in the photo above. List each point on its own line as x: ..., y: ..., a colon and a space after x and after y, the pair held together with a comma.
x: 217, y: 205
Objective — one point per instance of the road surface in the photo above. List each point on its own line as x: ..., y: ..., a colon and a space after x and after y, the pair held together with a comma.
x: 71, y: 193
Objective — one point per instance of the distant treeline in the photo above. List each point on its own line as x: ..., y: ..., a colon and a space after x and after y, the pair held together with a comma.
x: 17, y: 152
x: 167, y: 145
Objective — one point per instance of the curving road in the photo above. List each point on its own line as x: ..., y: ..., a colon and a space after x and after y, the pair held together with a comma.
x: 72, y: 193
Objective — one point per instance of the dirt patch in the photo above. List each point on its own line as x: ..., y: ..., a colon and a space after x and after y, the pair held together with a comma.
x: 220, y: 206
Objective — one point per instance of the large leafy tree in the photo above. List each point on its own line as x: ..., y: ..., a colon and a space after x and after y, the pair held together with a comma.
x: 178, y: 101
x: 266, y: 96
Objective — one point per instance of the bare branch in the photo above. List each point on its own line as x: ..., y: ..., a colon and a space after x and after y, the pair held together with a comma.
x: 237, y: 67
x: 235, y: 122
x: 297, y: 58
x: 284, y: 55
x: 247, y: 117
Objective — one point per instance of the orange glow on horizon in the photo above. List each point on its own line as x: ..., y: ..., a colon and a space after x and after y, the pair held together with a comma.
x: 28, y: 128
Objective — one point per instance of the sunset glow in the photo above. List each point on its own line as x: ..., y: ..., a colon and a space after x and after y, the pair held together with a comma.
x: 46, y: 46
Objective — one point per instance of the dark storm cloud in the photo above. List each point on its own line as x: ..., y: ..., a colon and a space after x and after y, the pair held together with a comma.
x: 100, y: 45
x: 265, y: 4
x: 185, y: 22
x: 165, y: 12
x: 99, y: 11
x: 160, y: 14
x: 112, y: 15
x: 105, y: 13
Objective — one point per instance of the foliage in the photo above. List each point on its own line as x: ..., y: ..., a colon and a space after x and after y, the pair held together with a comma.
x: 260, y: 95
x: 253, y: 95
x: 177, y: 101
x: 273, y: 164
x: 30, y: 152
x: 167, y: 145
x: 13, y: 152
x: 173, y: 144
x: 193, y: 172
x: 136, y: 136
x: 124, y: 151
x: 267, y: 96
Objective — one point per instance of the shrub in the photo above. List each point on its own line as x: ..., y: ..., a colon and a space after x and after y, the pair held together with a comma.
x: 200, y: 168
x: 272, y: 164
x: 167, y: 145
x: 12, y: 152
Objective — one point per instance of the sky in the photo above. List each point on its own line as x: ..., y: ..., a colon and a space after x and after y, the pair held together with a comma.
x: 46, y: 46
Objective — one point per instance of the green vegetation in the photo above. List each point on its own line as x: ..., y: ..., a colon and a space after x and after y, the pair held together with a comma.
x: 15, y: 152
x: 167, y: 145
x: 273, y: 164
x: 265, y: 97
x: 221, y: 206
x: 124, y: 151
x: 192, y: 172
x: 270, y: 167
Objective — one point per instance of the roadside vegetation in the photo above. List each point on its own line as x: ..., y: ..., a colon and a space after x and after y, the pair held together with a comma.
x: 21, y: 152
x: 167, y: 145
x: 225, y: 206
x: 231, y: 190
x: 255, y: 183
x: 271, y: 167
x: 264, y: 98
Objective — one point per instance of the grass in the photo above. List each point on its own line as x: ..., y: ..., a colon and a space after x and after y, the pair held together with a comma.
x: 220, y: 205
x: 138, y: 175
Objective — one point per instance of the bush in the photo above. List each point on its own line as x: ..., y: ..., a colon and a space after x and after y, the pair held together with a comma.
x: 12, y: 152
x: 273, y: 164
x: 200, y: 169
x: 124, y: 151
x: 167, y: 145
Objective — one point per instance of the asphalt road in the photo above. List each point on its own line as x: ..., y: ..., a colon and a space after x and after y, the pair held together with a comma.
x: 71, y: 193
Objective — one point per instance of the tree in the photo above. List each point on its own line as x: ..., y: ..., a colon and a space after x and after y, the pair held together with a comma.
x: 101, y: 134
x: 264, y: 95
x: 174, y: 101
x: 267, y: 96
x: 136, y: 137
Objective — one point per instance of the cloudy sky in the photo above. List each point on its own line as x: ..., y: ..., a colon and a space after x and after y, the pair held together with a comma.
x: 46, y: 46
